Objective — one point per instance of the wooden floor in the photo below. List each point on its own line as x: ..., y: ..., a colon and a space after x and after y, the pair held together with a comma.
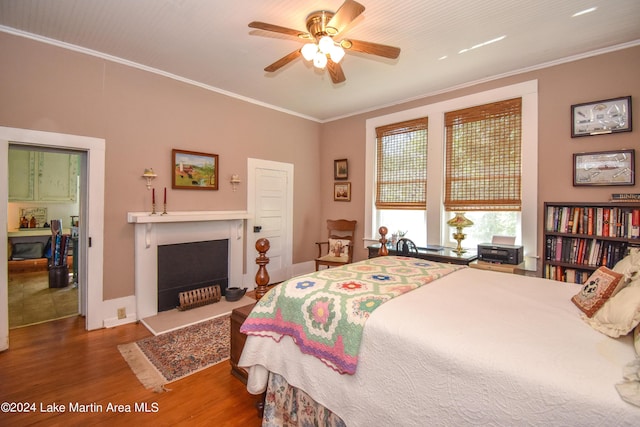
x: 59, y: 363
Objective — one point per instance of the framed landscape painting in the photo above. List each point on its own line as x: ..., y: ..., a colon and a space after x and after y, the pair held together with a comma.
x: 193, y: 170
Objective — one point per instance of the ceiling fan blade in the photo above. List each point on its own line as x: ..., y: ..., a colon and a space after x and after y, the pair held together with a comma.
x: 282, y: 61
x: 349, y: 11
x: 371, y: 48
x: 278, y: 29
x: 335, y: 71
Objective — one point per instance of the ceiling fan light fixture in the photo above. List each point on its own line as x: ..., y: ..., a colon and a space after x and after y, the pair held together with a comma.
x: 309, y: 51
x: 320, y: 60
x: 337, y: 53
x: 325, y: 44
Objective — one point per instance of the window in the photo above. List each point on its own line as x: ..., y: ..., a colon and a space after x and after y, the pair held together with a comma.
x: 401, y: 165
x: 522, y: 223
x: 483, y: 157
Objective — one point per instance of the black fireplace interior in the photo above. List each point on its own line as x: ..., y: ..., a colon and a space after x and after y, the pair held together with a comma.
x: 186, y: 266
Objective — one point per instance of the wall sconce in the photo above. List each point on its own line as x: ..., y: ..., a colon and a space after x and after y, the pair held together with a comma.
x: 235, y: 180
x: 149, y: 175
x: 459, y: 222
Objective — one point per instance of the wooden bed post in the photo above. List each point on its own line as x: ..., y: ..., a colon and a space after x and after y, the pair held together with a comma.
x: 262, y: 276
x: 383, y: 251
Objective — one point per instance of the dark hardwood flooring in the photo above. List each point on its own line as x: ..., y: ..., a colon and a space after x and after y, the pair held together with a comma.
x: 59, y: 363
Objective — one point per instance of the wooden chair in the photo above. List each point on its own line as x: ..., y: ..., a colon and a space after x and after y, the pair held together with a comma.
x: 339, y: 245
x: 406, y: 247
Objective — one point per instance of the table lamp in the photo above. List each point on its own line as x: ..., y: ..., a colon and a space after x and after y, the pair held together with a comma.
x: 459, y: 222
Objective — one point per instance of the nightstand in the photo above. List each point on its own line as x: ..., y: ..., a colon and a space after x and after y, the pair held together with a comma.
x: 238, y: 316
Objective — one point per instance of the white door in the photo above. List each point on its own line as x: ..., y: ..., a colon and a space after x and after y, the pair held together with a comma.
x: 270, y: 201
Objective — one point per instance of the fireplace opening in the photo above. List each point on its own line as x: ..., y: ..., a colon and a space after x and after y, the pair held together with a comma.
x: 186, y: 266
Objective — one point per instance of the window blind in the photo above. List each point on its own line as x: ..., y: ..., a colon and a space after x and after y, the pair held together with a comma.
x: 484, y: 157
x: 401, y: 174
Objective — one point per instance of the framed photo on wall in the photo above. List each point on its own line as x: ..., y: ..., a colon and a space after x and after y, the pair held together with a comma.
x: 604, y: 168
x: 342, y: 192
x: 340, y: 169
x: 600, y: 117
x: 194, y: 171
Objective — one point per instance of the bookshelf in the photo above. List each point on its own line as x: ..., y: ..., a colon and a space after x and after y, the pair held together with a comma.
x: 580, y: 237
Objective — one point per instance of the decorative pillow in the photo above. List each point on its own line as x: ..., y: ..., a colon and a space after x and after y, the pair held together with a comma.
x: 620, y: 314
x: 598, y: 288
x: 339, y: 248
x: 629, y: 265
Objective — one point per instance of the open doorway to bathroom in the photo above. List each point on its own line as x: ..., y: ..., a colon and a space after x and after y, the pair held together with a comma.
x: 43, y: 215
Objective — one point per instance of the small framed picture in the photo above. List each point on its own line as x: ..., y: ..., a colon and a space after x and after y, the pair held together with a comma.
x: 604, y: 168
x: 340, y: 169
x: 194, y: 171
x: 600, y: 117
x: 342, y: 191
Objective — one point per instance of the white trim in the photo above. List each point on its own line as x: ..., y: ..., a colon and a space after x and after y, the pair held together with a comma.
x: 91, y: 271
x: 435, y: 173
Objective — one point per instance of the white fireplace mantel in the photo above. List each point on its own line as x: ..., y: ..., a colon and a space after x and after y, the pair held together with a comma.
x: 181, y: 227
x: 185, y: 216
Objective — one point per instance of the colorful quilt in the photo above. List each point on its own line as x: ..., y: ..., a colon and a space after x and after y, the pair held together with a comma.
x: 325, y: 311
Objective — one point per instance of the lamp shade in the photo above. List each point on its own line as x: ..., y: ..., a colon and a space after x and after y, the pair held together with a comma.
x: 320, y: 60
x: 337, y: 53
x: 325, y: 44
x: 308, y: 51
x: 459, y: 220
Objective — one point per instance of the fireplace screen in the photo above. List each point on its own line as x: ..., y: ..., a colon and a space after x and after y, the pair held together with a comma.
x: 187, y: 266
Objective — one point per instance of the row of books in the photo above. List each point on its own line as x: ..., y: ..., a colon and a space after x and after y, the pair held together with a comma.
x: 585, y: 251
x: 60, y: 246
x: 569, y: 275
x: 596, y: 221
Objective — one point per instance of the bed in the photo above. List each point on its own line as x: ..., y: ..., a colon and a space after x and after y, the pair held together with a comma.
x: 470, y: 347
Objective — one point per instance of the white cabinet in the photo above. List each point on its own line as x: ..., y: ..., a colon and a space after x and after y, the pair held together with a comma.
x: 42, y: 176
x: 21, y: 174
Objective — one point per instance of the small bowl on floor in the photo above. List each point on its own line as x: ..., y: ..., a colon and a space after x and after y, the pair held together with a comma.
x: 234, y: 294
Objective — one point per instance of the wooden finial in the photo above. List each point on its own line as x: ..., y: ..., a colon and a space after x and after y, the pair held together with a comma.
x: 383, y: 251
x: 262, y: 276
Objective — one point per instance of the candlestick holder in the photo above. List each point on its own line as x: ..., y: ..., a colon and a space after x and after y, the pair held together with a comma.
x: 164, y: 210
x: 153, y: 208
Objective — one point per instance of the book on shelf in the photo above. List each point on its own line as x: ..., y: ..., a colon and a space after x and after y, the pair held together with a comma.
x: 625, y: 197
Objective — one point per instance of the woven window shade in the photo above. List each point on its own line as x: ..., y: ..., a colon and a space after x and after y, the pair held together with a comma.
x: 484, y: 157
x: 401, y: 175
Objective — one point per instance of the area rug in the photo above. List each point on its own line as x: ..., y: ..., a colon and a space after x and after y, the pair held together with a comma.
x: 161, y: 359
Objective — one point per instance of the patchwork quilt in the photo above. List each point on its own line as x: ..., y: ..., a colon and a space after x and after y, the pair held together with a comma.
x: 325, y: 311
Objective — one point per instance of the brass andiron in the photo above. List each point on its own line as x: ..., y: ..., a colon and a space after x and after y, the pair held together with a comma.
x: 459, y: 222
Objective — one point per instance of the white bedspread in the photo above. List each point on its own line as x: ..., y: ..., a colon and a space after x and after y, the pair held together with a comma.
x: 473, y: 348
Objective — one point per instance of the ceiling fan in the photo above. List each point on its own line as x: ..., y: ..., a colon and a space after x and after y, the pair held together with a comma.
x: 321, y: 48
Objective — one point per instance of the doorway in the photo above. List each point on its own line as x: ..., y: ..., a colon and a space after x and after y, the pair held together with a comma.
x: 44, y: 188
x: 90, y: 246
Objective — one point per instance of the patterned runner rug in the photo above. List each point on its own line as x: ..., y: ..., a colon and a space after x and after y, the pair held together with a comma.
x: 161, y: 359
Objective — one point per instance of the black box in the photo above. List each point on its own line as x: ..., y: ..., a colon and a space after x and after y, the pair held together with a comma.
x: 501, y: 254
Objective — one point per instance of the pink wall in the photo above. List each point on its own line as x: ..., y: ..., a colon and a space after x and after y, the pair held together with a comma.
x: 606, y: 76
x: 142, y: 116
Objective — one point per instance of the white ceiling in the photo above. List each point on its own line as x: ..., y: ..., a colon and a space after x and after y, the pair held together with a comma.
x: 208, y: 42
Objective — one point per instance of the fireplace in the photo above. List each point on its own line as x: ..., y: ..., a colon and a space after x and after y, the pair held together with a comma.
x: 175, y: 228
x: 187, y: 266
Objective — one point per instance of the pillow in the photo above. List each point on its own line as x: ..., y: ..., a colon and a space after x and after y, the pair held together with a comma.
x: 339, y: 248
x: 620, y: 314
x: 629, y: 265
x: 597, y: 290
